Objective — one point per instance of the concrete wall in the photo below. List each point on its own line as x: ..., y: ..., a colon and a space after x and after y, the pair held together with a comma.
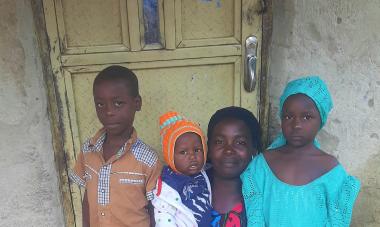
x: 340, y: 41
x: 29, y: 187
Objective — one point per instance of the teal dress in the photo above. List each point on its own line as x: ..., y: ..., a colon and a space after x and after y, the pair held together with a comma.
x: 325, y: 201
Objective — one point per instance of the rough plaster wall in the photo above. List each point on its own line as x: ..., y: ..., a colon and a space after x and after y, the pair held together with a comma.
x: 339, y: 40
x: 29, y: 188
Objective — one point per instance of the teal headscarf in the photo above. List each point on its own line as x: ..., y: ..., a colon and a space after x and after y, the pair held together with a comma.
x: 314, y: 88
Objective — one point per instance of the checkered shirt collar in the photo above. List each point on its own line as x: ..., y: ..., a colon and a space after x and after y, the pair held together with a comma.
x: 97, y: 141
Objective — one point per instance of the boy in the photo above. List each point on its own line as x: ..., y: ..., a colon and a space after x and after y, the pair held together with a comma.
x: 117, y: 169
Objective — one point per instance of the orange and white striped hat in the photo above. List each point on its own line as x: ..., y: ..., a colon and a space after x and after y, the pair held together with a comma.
x: 172, y: 126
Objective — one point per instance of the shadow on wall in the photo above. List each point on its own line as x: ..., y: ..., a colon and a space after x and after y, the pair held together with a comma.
x: 369, y: 196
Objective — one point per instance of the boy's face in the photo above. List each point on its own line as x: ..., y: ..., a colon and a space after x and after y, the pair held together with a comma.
x: 300, y: 120
x: 231, y: 148
x: 115, y: 107
x: 188, y: 154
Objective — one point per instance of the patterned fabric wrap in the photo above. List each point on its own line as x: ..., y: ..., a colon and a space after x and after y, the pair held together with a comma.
x: 316, y: 90
x: 172, y: 126
x: 193, y: 191
x: 234, y: 218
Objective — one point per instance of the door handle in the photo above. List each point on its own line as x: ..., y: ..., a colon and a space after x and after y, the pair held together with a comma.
x: 250, y: 63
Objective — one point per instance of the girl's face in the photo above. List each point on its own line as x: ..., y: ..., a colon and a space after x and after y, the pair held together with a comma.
x: 189, y: 154
x: 300, y: 120
x: 231, y: 148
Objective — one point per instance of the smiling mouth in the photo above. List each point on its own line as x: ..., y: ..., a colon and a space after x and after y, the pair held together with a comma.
x: 194, y: 166
x: 230, y: 163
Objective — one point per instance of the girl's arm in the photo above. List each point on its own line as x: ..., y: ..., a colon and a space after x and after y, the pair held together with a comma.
x: 341, y: 207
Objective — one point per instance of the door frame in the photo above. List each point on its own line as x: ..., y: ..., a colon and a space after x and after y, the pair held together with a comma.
x: 55, y: 103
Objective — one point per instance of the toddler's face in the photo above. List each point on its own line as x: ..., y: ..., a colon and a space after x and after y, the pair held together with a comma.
x: 300, y: 120
x: 231, y: 148
x: 189, y: 154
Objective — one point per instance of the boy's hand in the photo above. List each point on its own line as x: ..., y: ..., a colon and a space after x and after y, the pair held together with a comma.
x: 85, y: 211
x: 151, y: 214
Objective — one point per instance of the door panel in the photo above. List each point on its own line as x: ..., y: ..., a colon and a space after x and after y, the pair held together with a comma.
x: 82, y: 35
x: 152, y: 24
x: 211, y: 23
x: 188, y: 57
x: 188, y: 93
x: 179, y: 85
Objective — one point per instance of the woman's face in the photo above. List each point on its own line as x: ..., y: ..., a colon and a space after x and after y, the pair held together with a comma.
x: 231, y: 148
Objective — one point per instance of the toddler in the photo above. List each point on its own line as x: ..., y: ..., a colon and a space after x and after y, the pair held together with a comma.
x: 183, y: 194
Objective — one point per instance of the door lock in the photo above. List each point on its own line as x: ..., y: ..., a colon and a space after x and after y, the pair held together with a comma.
x: 250, y: 63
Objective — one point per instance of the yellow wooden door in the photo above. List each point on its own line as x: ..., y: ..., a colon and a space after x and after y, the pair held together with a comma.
x: 188, y: 56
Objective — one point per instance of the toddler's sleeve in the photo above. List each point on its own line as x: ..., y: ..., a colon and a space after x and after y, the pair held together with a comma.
x: 341, y: 207
x: 253, y: 197
x: 164, y: 213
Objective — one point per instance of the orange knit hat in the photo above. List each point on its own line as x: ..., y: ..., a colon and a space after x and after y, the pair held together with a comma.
x: 172, y: 126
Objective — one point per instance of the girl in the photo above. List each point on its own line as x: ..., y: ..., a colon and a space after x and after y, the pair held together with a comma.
x: 183, y: 194
x: 295, y: 183
x: 233, y: 138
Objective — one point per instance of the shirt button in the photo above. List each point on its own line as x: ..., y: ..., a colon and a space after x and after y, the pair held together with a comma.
x: 103, y: 190
x: 102, y: 213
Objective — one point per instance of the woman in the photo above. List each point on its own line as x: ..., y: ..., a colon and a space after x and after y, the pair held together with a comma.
x: 233, y: 139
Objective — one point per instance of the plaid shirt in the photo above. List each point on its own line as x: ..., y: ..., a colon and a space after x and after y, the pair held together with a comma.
x: 118, y: 190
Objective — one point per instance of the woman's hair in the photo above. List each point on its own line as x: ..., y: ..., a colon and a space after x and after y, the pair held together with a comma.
x: 239, y: 113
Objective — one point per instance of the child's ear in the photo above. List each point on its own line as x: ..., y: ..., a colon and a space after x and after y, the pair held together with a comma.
x: 138, y: 102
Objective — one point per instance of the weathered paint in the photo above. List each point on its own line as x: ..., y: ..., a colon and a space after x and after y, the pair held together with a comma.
x: 213, y: 74
x: 29, y: 185
x: 339, y: 40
